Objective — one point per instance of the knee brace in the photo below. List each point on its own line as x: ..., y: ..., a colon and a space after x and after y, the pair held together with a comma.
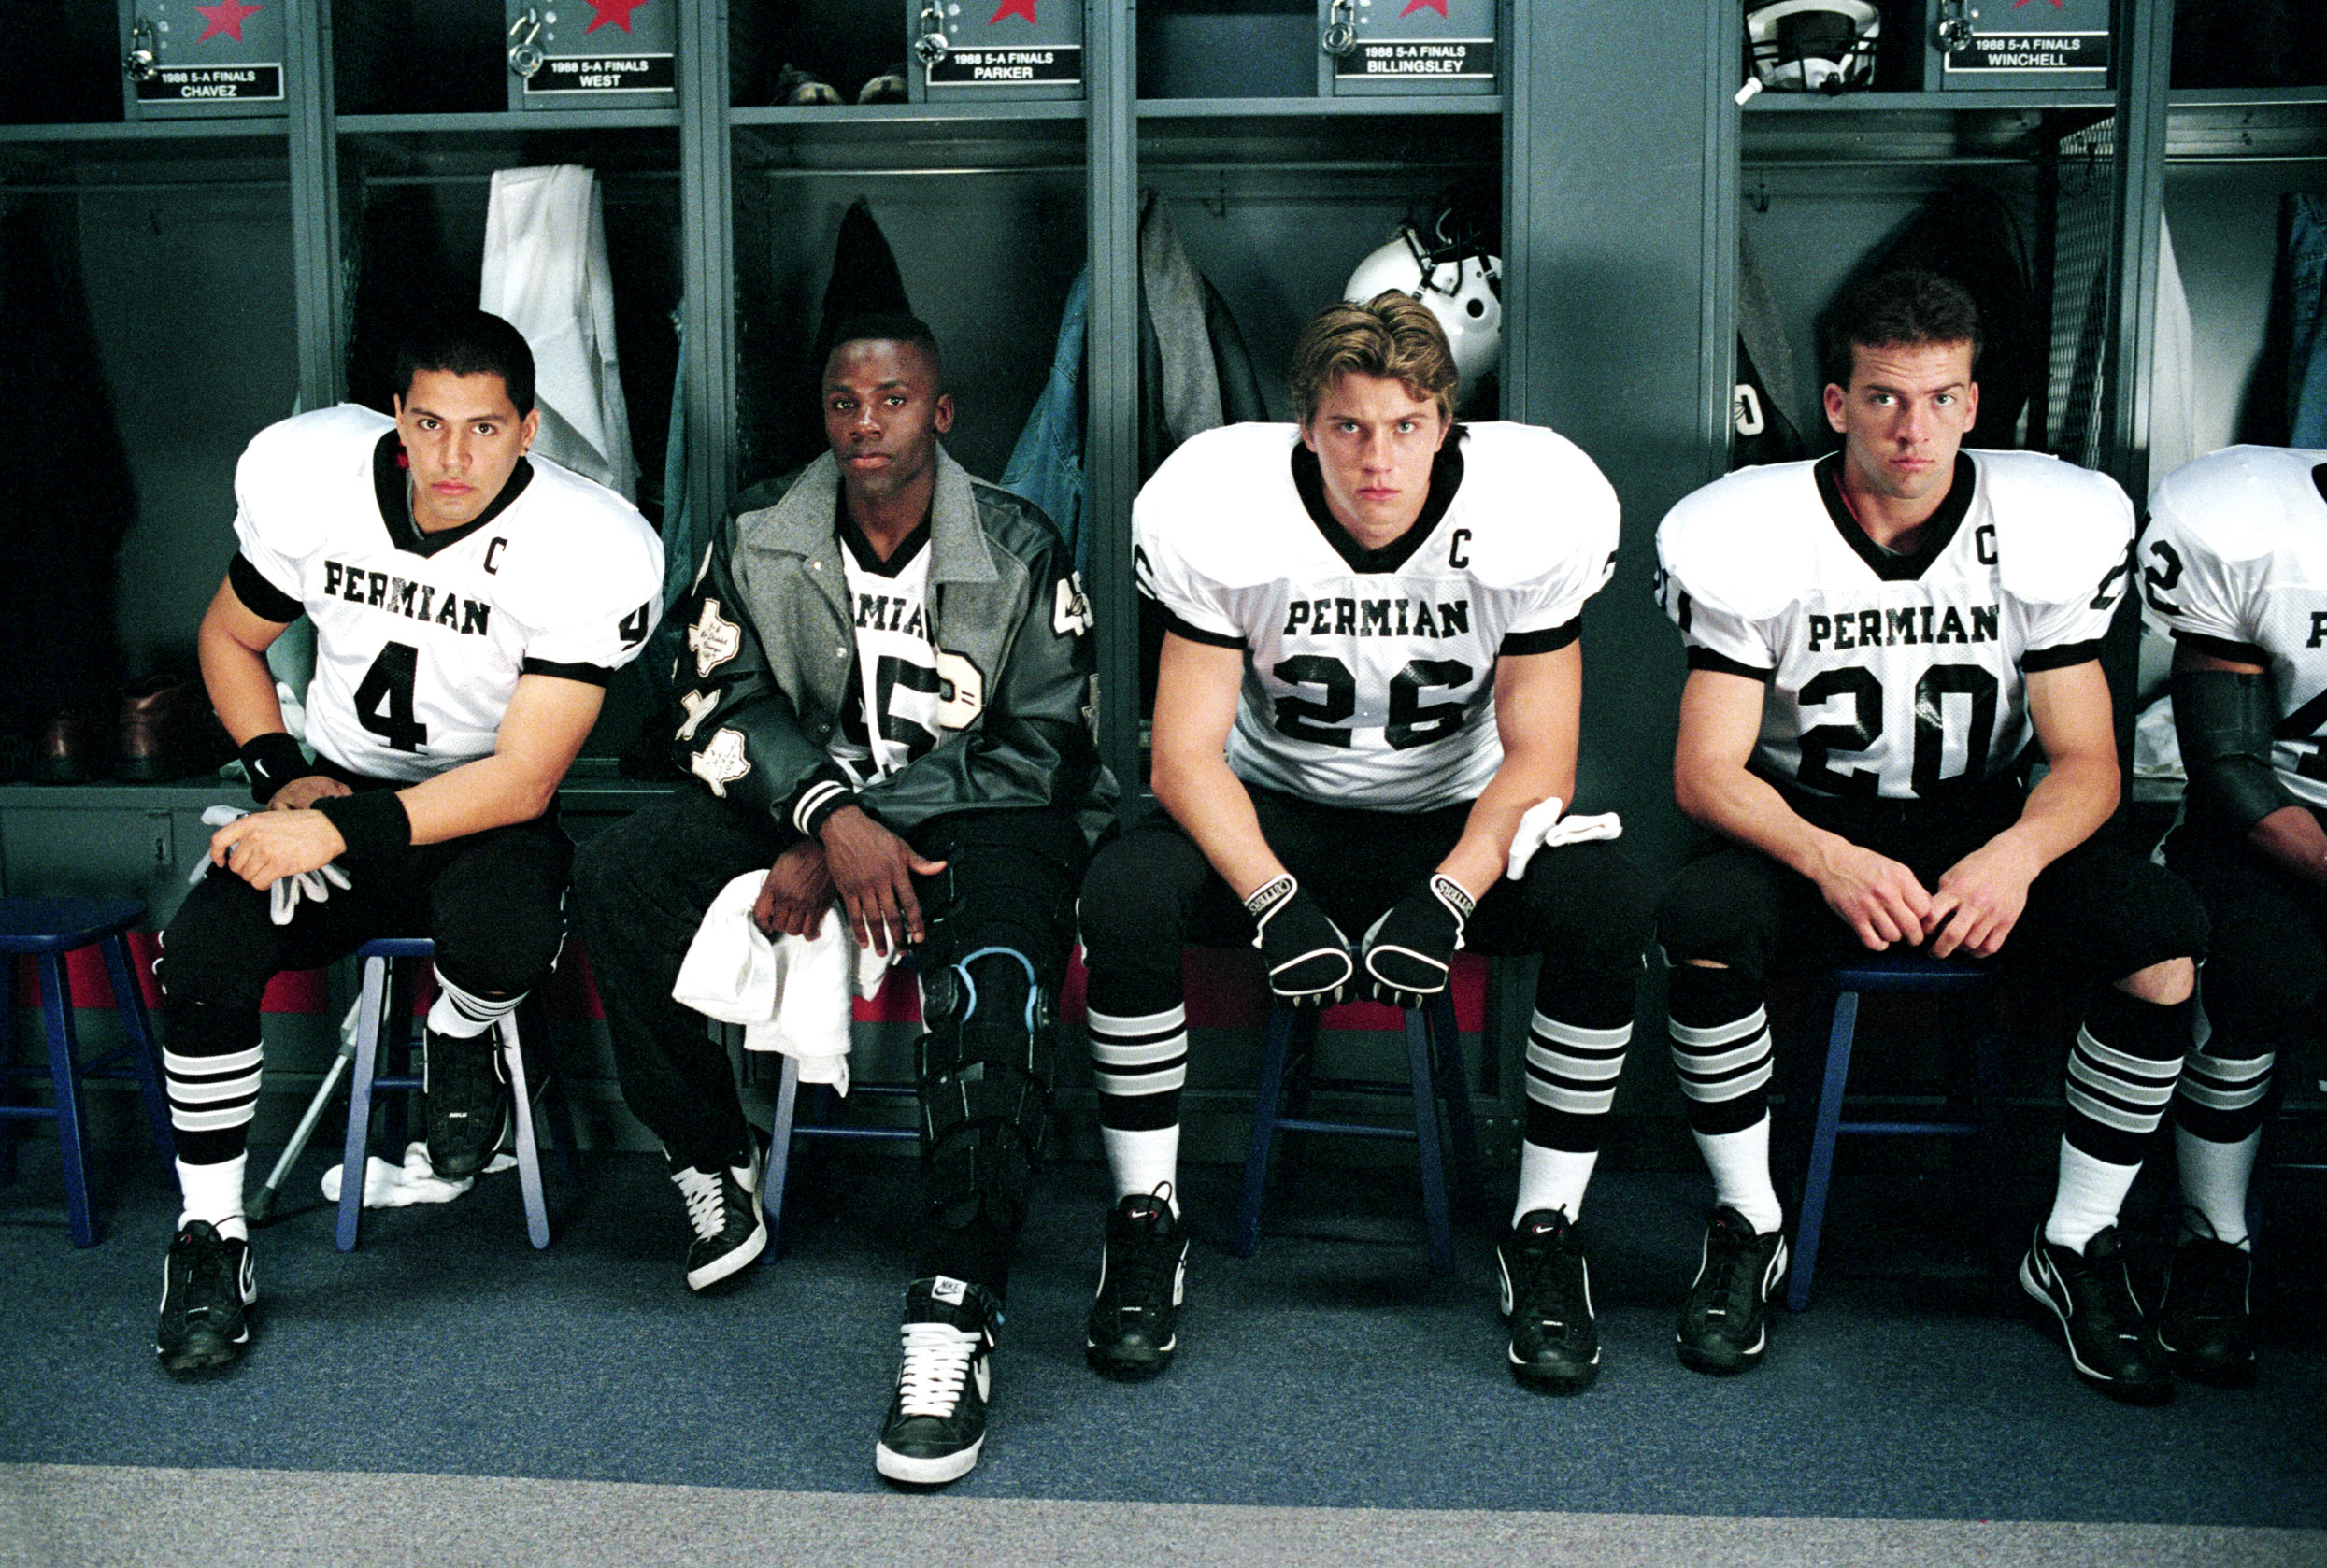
x: 983, y: 1070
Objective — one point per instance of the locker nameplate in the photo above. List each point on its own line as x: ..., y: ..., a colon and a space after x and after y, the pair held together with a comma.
x: 205, y: 84
x: 1377, y: 59
x: 1008, y: 67
x: 603, y: 73
x: 2007, y: 54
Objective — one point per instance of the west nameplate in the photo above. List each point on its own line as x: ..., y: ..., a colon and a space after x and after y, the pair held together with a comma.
x: 603, y: 73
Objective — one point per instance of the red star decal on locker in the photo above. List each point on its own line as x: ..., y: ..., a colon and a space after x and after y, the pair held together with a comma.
x: 1013, y: 8
x: 615, y: 11
x: 226, y: 16
x: 1413, y: 5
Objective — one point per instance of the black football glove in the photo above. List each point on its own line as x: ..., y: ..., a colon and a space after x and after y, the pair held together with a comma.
x: 1407, y: 951
x: 1307, y: 956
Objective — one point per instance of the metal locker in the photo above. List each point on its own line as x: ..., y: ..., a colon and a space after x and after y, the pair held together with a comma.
x: 1024, y: 49
x: 569, y: 54
x: 1377, y: 48
x: 200, y: 58
x: 1995, y: 43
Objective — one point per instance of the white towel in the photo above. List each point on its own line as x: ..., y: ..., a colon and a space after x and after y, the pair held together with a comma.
x: 1543, y: 827
x: 791, y: 994
x: 415, y: 1182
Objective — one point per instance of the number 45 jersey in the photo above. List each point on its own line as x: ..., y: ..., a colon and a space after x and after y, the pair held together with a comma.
x: 1897, y: 675
x: 2235, y: 563
x: 419, y: 638
x: 1369, y: 676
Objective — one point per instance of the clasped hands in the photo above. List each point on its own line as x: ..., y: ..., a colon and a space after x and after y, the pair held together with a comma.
x: 1978, y: 902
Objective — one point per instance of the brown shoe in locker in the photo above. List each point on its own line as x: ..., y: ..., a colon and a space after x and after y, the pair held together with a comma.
x: 168, y: 731
x: 71, y: 748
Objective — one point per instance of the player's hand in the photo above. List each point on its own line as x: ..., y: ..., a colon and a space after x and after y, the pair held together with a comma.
x: 267, y: 845
x: 1307, y: 956
x: 1979, y: 899
x: 1409, y: 948
x: 1878, y: 898
x: 300, y: 793
x: 797, y: 892
x: 873, y: 871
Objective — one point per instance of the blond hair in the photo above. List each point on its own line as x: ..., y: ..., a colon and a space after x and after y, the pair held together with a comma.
x: 1392, y: 336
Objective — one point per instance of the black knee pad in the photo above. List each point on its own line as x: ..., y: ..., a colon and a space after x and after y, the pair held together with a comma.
x: 984, y: 1070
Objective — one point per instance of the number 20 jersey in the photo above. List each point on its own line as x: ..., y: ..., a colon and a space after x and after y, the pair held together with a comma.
x: 2236, y: 557
x: 1374, y: 688
x: 1883, y: 679
x: 417, y: 654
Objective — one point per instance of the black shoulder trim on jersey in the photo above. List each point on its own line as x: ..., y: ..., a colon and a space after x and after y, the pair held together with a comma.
x: 1198, y: 635
x: 2061, y: 656
x: 1705, y: 659
x: 2222, y: 647
x: 860, y: 546
x: 1893, y: 565
x: 1550, y: 640
x: 2319, y: 480
x: 391, y: 482
x: 1446, y: 478
x: 589, y: 675
x: 259, y: 596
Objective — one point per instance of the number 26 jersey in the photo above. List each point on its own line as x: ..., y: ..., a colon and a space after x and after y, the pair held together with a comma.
x: 1901, y: 676
x: 1369, y: 678
x: 420, y: 638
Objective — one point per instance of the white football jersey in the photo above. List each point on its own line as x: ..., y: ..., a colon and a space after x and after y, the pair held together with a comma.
x: 896, y: 679
x: 1895, y: 676
x: 420, y: 638
x: 1374, y: 686
x: 2235, y: 561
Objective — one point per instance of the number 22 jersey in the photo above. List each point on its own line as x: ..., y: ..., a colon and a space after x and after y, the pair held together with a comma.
x: 1369, y: 677
x: 1895, y: 676
x: 420, y: 638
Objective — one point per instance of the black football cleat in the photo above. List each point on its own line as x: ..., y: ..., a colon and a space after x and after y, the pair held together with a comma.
x: 2091, y: 1305
x: 1133, y: 1327
x: 466, y: 1102
x: 1724, y: 1320
x: 2205, y: 1321
x: 208, y: 1290
x: 1547, y: 1296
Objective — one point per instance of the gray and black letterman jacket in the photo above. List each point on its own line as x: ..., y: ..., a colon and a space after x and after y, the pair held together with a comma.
x: 770, y: 649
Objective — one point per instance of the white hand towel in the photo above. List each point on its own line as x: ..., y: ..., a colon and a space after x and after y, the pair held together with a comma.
x: 415, y: 1182
x: 1543, y: 827
x: 791, y: 994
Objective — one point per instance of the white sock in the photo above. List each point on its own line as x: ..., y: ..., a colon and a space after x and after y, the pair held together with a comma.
x: 2213, y: 1182
x: 463, y: 1015
x: 1740, y: 1165
x: 2087, y: 1198
x: 1143, y: 1160
x: 214, y: 1192
x: 1552, y: 1178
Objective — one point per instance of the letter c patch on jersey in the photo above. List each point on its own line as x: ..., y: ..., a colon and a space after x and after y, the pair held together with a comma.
x: 963, y: 691
x: 714, y: 639
x: 1070, y: 615
x: 721, y: 762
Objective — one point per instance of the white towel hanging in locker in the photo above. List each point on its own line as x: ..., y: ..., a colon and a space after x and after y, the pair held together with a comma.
x: 546, y: 274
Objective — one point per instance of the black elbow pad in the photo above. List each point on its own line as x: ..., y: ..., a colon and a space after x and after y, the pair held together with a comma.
x: 2225, y: 721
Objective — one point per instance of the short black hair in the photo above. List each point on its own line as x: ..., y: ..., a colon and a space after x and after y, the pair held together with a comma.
x: 468, y: 343
x: 1909, y: 308
x: 885, y: 326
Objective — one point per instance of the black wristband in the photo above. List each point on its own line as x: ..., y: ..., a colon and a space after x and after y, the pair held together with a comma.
x: 373, y: 823
x: 272, y: 759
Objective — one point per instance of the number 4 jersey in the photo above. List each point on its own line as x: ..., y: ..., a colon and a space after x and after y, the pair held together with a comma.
x: 1898, y: 676
x: 2235, y: 563
x: 1369, y: 676
x: 420, y: 637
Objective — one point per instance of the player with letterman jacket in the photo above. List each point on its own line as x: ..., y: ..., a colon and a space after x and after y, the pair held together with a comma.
x: 1874, y: 638
x: 886, y: 699
x: 469, y: 604
x: 1371, y: 673
x: 2234, y: 566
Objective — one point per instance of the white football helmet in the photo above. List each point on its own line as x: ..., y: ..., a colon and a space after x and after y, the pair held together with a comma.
x: 1813, y: 46
x: 1461, y: 285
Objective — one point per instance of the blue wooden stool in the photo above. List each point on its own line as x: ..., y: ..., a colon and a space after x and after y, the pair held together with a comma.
x: 1908, y: 971
x: 49, y: 929
x: 378, y: 958
x: 1434, y: 1050
x: 787, y: 1126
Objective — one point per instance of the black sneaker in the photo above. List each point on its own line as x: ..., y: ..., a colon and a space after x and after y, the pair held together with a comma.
x: 1724, y: 1318
x: 724, y: 1206
x: 1143, y: 1275
x: 2110, y: 1344
x: 1547, y: 1297
x: 2202, y: 1321
x: 208, y: 1289
x: 464, y: 1090
x: 937, y: 1421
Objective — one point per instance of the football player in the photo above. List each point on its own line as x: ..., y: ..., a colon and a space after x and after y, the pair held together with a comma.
x: 1371, y: 673
x: 1872, y: 639
x: 887, y: 697
x: 2234, y: 565
x: 469, y: 603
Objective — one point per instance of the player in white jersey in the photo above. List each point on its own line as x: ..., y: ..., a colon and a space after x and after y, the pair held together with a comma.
x: 1873, y: 640
x: 1371, y: 673
x: 469, y: 603
x: 886, y: 699
x: 2234, y: 566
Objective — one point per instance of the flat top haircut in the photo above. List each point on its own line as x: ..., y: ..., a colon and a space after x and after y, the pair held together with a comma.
x: 1392, y: 336
x: 468, y: 343
x: 888, y: 326
x: 1908, y: 308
